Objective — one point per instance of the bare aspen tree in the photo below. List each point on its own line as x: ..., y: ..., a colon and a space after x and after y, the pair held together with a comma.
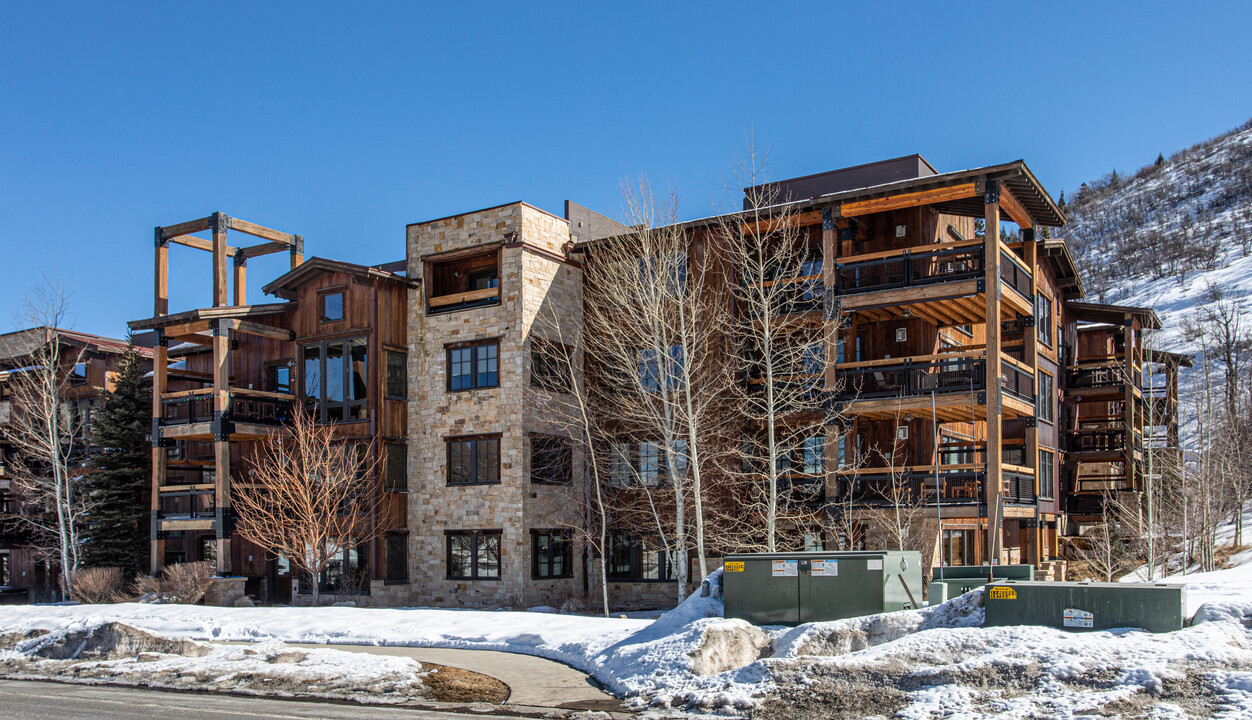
x: 904, y: 507
x: 654, y: 326
x: 45, y: 433
x: 310, y: 495
x: 779, y: 332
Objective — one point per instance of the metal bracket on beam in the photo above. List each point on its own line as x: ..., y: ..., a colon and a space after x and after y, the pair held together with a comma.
x: 154, y: 531
x: 223, y: 426
x: 849, y: 233
x: 297, y: 244
x: 992, y: 192
x: 159, y: 237
x: 241, y: 260
x: 982, y: 397
x: 215, y: 328
x: 1031, y: 234
x: 155, y: 437
x: 219, y: 222
x: 982, y: 284
x: 162, y: 339
x: 1027, y: 321
x: 1031, y: 421
x: 291, y: 335
x: 828, y: 219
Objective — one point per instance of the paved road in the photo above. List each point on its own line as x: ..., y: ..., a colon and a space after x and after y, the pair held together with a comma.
x: 532, y: 681
x: 22, y: 700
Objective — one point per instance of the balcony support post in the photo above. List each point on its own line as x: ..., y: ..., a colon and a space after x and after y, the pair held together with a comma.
x: 1128, y: 404
x: 1030, y: 342
x: 160, y: 369
x: 830, y: 352
x: 221, y: 445
x: 220, y: 253
x: 994, y: 482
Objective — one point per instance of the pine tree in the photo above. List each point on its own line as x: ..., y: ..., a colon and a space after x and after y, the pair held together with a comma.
x: 118, y: 534
x: 1160, y: 159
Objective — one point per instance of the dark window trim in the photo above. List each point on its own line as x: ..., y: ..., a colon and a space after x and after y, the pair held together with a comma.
x: 1048, y: 402
x: 407, y: 578
x: 1051, y: 494
x: 342, y: 290
x: 322, y: 407
x: 636, y: 562
x: 558, y: 351
x: 542, y: 437
x: 448, y: 441
x: 290, y: 364
x: 387, y: 353
x: 563, y: 533
x: 387, y: 445
x: 475, y: 534
x: 474, y: 366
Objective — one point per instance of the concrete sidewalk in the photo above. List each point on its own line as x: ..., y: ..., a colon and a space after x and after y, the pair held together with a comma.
x: 533, y: 681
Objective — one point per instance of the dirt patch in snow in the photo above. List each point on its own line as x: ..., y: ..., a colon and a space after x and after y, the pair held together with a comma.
x: 817, y: 693
x: 449, y: 684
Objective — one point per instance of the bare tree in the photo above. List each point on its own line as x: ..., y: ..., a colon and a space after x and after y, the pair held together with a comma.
x: 1105, y: 547
x: 310, y: 495
x: 905, y: 504
x: 655, y: 338
x: 780, y: 332
x: 46, y: 434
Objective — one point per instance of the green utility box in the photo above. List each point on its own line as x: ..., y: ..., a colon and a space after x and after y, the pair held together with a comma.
x: 952, y: 581
x: 800, y: 587
x: 1157, y: 607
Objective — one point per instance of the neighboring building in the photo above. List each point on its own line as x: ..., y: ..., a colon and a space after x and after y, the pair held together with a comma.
x: 995, y: 434
x: 89, y: 363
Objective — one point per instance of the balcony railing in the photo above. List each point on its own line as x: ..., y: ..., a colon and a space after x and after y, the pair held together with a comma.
x: 245, y: 406
x: 1097, y: 375
x: 1017, y: 382
x: 910, y: 269
x: 1015, y: 275
x: 912, y: 378
x: 189, y: 504
x: 464, y: 300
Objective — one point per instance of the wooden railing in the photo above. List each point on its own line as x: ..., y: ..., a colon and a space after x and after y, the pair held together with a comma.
x: 913, y: 376
x: 463, y: 300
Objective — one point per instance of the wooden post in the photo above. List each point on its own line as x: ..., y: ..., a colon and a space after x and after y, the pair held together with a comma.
x: 830, y: 350
x: 219, y: 259
x: 160, y: 367
x: 161, y: 305
x: 994, y: 486
x: 297, y: 251
x: 1128, y: 403
x: 221, y: 443
x: 241, y: 278
x: 1030, y: 344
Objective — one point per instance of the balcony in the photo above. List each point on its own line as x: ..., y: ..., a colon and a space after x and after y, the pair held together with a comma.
x: 908, y: 268
x: 950, y: 383
x: 250, y: 414
x: 1101, y: 378
x: 464, y: 300
x: 916, y: 486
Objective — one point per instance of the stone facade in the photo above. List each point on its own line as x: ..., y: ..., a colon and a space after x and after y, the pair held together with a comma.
x: 535, y: 287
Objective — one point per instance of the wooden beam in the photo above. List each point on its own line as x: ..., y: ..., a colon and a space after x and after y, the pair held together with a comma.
x: 900, y: 296
x: 899, y: 252
x: 173, y: 231
x: 470, y: 296
x: 1030, y: 347
x: 795, y: 220
x: 198, y: 243
x: 187, y: 328
x: 254, y: 328
x: 161, y: 289
x: 907, y: 200
x: 260, y: 231
x: 193, y: 339
x: 241, y: 281
x: 1014, y: 209
x: 830, y: 241
x: 221, y: 447
x: 221, y: 254
x: 160, y: 366
x: 994, y: 482
x: 265, y: 249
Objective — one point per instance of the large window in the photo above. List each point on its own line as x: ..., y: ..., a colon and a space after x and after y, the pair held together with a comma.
x: 397, y: 375
x: 336, y: 380
x: 346, y: 573
x: 813, y: 455
x: 552, y: 554
x: 1046, y: 397
x: 474, y: 461
x: 1043, y: 318
x: 397, y: 558
x: 474, y: 554
x: 278, y: 376
x: 1047, y: 475
x: 474, y: 366
x: 644, y: 463
x: 657, y: 367
x: 551, y: 460
x: 78, y: 375
x: 6, y: 573
x: 637, y: 558
x: 397, y: 470
x: 550, y: 365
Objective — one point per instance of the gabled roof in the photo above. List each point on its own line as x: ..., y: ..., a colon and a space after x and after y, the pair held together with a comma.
x: 1055, y: 252
x: 1112, y: 314
x: 210, y: 313
x: 21, y: 343
x: 287, y: 285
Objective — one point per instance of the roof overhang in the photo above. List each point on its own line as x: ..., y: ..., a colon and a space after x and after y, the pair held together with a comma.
x: 286, y: 285
x: 1112, y: 314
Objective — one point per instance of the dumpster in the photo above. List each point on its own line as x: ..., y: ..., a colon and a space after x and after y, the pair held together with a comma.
x: 800, y: 587
x: 1157, y: 607
x: 951, y: 581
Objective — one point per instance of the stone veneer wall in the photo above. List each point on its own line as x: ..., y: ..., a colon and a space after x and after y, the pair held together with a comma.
x: 529, y: 282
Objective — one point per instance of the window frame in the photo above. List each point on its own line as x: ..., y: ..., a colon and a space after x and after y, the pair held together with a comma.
x: 561, y: 444
x: 1042, y: 402
x: 77, y: 380
x: 558, y: 377
x: 474, y: 536
x: 1043, y: 326
x: 388, y: 538
x: 473, y: 441
x: 1051, y: 492
x: 635, y: 560
x: 271, y: 382
x: 388, y: 448
x: 323, y: 404
x: 323, y: 294
x: 565, y: 537
x: 475, y: 377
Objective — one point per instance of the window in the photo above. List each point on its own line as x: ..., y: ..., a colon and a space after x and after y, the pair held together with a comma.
x: 474, y: 366
x: 397, y: 375
x: 473, y: 554
x: 649, y: 463
x: 645, y: 463
x: 397, y: 470
x: 551, y: 460
x: 814, y: 358
x: 1046, y: 398
x: 813, y: 455
x: 550, y: 366
x: 332, y: 306
x: 958, y: 547
x: 336, y: 379
x: 208, y: 550
x: 621, y: 471
x: 397, y: 559
x: 552, y: 554
x: 484, y: 280
x: 637, y: 558
x: 278, y: 376
x: 1043, y: 318
x: 655, y: 366
x: 474, y: 461
x: 345, y: 573
x: 1047, y: 475
x: 78, y: 376
x: 463, y: 283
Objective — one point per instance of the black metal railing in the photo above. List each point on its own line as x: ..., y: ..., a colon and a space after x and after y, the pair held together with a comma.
x: 242, y: 406
x: 1015, y: 275
x: 187, y: 409
x: 190, y: 504
x: 910, y: 378
x: 1019, y: 488
x: 1096, y: 440
x: 179, y: 474
x: 910, y: 487
x: 1093, y: 377
x: 909, y: 269
x: 1017, y: 382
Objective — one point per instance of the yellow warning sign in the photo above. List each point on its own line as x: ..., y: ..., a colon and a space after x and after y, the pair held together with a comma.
x: 734, y: 566
x: 1003, y: 593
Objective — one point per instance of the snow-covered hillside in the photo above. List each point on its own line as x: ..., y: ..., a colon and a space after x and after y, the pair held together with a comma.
x: 1166, y: 234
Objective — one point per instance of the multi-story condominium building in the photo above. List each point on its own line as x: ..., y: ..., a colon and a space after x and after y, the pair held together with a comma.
x: 962, y: 381
x: 88, y: 363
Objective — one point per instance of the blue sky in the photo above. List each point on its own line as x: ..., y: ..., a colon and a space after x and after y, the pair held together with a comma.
x: 344, y: 122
